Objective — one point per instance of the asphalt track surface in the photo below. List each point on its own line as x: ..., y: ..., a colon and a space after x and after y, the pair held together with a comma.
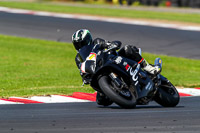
x: 151, y: 39
x: 90, y: 118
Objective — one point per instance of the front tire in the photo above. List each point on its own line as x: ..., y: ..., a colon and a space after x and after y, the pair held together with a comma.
x: 167, y: 95
x: 109, y: 90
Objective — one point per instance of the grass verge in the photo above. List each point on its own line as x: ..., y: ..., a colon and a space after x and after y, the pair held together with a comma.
x: 37, y: 67
x: 123, y: 13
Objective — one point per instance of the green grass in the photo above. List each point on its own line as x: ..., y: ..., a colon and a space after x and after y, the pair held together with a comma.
x: 123, y: 13
x: 37, y: 67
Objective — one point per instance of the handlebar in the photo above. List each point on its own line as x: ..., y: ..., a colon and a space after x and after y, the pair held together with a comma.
x: 111, y: 47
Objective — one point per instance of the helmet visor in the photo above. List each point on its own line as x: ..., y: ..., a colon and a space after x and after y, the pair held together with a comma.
x: 80, y: 44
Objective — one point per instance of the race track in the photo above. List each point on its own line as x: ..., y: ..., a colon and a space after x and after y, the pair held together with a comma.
x: 151, y: 39
x: 90, y: 118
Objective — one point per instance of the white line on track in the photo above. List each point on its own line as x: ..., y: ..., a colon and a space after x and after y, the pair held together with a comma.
x: 97, y: 18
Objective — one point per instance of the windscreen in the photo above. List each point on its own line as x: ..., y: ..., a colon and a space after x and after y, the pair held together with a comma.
x: 85, y: 51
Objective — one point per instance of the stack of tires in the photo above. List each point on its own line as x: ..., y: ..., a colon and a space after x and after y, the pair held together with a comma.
x: 194, y: 3
x: 143, y: 2
x: 129, y: 2
x: 150, y: 2
x: 177, y: 3
x: 186, y: 3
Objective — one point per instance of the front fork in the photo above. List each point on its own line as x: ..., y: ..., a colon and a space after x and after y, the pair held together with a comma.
x: 120, y: 86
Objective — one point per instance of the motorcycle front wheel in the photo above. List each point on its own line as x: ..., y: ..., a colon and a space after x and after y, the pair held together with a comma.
x: 109, y: 89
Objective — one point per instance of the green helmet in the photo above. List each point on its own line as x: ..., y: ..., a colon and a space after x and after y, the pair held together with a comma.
x: 81, y: 38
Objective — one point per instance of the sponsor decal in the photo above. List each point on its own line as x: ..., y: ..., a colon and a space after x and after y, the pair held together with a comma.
x: 118, y: 60
x: 92, y: 56
x: 125, y: 63
x: 133, y: 73
x: 127, y: 67
x: 148, y: 86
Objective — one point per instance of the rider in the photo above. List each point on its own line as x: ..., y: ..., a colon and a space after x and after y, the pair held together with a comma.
x: 83, y: 37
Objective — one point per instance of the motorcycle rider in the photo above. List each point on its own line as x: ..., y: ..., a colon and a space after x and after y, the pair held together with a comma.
x: 83, y: 37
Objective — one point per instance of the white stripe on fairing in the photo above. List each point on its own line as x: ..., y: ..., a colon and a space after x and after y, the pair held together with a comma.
x: 105, y: 19
x: 83, y: 67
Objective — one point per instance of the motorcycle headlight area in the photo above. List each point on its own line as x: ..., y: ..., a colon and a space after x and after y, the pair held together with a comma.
x: 88, y: 67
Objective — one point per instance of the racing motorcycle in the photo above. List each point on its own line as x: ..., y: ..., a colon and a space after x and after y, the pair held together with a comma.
x: 123, y: 80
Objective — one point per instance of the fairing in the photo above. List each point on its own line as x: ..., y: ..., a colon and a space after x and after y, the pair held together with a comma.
x: 85, y: 51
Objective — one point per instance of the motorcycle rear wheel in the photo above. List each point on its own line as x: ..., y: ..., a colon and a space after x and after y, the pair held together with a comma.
x: 167, y: 95
x: 108, y: 89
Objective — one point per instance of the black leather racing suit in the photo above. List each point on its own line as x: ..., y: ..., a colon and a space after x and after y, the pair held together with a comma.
x: 127, y: 51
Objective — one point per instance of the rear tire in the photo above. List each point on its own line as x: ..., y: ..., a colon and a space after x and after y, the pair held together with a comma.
x: 108, y: 89
x: 167, y: 95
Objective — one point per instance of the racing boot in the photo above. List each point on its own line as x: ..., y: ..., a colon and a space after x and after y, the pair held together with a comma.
x: 151, y: 69
x: 102, y: 99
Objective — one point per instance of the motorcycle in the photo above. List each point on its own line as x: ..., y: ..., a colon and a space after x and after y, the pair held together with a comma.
x: 123, y: 80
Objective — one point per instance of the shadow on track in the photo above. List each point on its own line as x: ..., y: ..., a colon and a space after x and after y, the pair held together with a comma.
x: 139, y: 107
